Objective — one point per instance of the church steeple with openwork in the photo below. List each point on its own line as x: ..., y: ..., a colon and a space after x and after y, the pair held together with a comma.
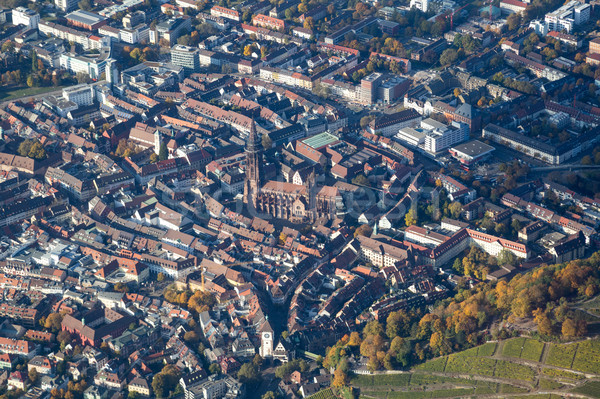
x: 253, y: 180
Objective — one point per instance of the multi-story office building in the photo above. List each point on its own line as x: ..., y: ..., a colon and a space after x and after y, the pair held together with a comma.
x: 171, y: 30
x: 368, y: 88
x: 434, y: 137
x: 186, y: 57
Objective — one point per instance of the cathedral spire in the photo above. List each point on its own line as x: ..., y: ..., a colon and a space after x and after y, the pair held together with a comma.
x: 253, y: 144
x: 253, y: 181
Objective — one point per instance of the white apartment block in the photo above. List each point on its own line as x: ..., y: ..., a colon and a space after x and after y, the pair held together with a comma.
x: 86, y: 40
x: 568, y: 16
x: 25, y: 16
x: 75, y: 64
x: 66, y: 5
x: 433, y: 136
x: 80, y: 94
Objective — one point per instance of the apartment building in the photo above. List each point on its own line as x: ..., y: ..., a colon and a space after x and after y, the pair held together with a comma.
x: 79, y: 94
x: 25, y: 16
x: 224, y: 12
x: 268, y: 22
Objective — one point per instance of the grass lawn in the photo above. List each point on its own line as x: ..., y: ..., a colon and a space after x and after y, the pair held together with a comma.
x: 20, y: 92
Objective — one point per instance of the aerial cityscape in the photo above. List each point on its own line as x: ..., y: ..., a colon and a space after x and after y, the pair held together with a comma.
x: 292, y: 199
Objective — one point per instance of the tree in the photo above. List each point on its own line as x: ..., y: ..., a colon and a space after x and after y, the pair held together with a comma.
x: 569, y: 328
x: 363, y: 230
x: 513, y: 21
x: 373, y: 328
x: 64, y: 337
x: 166, y: 381
x: 86, y: 5
x: 8, y: 47
x: 163, y: 152
x: 160, y: 277
x: 248, y: 374
x: 586, y: 160
x: 201, y: 301
x: 449, y: 56
x: 82, y: 77
x: 455, y: 209
x: 457, y: 92
x: 506, y: 257
x: 266, y: 141
x: 340, y: 378
x: 269, y: 395
x: 120, y: 287
x: 153, y: 158
x: 354, y: 339
x: 410, y: 218
x: 191, y: 337
x: 34, y: 61
x: 361, y: 180
x: 309, y: 23
x: 365, y: 120
x: 54, y: 321
x: 248, y: 51
x: 30, y: 81
x: 214, y: 368
x: 258, y: 360
x: 33, y: 375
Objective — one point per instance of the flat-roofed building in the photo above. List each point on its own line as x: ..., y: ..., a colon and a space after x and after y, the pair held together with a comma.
x: 25, y: 16
x: 471, y: 152
x: 86, y: 20
x: 186, y: 57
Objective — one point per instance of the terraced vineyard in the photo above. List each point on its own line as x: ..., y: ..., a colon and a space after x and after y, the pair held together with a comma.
x: 516, y: 368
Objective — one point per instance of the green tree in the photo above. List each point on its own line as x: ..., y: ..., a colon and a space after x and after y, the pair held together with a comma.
x: 214, y: 368
x: 455, y: 209
x: 269, y: 395
x: 86, y: 5
x: 449, y: 56
x: 34, y: 61
x: 361, y: 180
x: 248, y: 374
x: 163, y: 152
x: 8, y: 47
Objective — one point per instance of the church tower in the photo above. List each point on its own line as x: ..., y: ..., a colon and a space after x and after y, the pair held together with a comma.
x: 311, y: 187
x: 253, y: 181
x: 266, y: 340
x: 157, y: 142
